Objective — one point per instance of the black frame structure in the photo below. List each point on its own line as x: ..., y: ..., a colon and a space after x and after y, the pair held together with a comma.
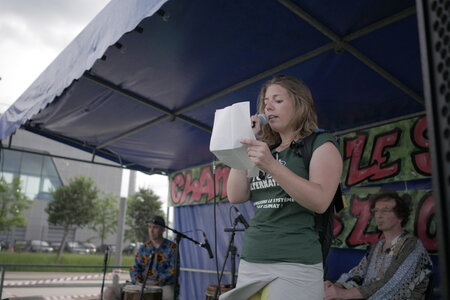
x: 434, y: 31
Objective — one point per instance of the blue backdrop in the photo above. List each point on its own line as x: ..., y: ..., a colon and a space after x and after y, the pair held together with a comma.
x: 201, y: 217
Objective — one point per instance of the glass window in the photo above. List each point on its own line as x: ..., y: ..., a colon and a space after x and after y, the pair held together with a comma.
x: 31, y: 164
x: 11, y: 161
x: 48, y: 168
x: 8, y: 177
x: 31, y: 186
x: 38, y: 174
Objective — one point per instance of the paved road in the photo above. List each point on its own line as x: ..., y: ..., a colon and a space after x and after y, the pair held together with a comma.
x: 56, y: 285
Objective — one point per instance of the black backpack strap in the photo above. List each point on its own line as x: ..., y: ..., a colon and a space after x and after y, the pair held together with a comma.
x: 305, y: 150
x: 273, y: 147
x: 323, y: 222
x: 305, y: 147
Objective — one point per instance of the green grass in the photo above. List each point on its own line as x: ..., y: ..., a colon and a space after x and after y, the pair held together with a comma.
x: 67, y: 259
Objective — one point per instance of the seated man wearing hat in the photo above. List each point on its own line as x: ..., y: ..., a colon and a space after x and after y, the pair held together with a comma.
x: 164, y: 259
x: 158, y: 252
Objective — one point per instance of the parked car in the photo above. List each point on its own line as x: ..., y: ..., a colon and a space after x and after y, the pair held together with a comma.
x: 4, y: 245
x: 92, y: 248
x: 131, y: 248
x: 102, y: 248
x: 39, y: 246
x: 20, y: 245
x: 75, y: 247
x: 55, y: 245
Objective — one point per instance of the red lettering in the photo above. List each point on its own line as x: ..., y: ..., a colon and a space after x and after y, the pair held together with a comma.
x: 378, y: 167
x: 176, y: 188
x: 187, y: 190
x: 206, y: 185
x: 421, y: 158
x: 190, y: 188
x: 423, y: 225
x: 360, y: 208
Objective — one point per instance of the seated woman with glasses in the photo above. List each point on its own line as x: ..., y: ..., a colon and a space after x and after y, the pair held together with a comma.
x: 397, y: 267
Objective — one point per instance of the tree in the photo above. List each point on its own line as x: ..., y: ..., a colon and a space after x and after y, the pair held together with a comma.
x: 141, y: 206
x: 12, y: 204
x: 73, y: 205
x: 105, y: 221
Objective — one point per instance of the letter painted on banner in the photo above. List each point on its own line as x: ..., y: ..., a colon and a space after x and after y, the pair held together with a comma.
x: 195, y: 186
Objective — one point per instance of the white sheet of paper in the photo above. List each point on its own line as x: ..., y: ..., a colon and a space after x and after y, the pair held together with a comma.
x: 231, y: 124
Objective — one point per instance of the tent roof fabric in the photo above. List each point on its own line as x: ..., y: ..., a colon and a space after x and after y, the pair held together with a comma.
x: 140, y: 85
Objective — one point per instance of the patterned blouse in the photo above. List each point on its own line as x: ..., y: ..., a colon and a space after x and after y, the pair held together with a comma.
x: 398, y: 272
x: 163, y: 267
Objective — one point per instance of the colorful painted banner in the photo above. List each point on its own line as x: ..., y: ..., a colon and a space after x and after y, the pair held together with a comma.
x: 389, y: 153
x: 196, y: 186
x: 393, y: 155
x: 354, y: 226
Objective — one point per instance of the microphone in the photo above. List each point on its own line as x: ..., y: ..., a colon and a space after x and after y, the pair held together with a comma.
x: 207, y: 246
x: 263, y: 120
x: 241, y: 218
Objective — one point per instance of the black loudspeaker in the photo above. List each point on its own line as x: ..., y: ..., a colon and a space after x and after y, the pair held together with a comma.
x: 434, y: 33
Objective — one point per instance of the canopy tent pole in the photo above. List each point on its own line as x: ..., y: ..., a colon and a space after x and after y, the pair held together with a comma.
x: 169, y: 115
x: 380, y: 24
x: 342, y: 43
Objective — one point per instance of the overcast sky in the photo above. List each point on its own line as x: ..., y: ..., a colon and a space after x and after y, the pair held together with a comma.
x: 32, y: 34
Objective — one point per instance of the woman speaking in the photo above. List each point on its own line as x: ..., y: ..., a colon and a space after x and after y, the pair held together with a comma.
x: 281, y: 256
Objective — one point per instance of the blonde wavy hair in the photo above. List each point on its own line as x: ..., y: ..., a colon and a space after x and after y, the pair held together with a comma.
x: 306, y: 121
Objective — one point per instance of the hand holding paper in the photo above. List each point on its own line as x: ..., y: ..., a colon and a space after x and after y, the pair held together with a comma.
x: 231, y: 124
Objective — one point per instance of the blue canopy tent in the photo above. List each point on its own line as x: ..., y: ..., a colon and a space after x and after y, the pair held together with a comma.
x: 141, y: 83
x: 149, y: 83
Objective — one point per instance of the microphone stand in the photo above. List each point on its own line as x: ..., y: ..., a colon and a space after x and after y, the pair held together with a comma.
x: 231, y: 249
x: 177, y: 269
x: 233, y: 252
x: 179, y: 236
x: 105, y: 262
x: 149, y: 267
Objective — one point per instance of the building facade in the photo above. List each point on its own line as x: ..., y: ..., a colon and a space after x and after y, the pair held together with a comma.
x: 40, y: 173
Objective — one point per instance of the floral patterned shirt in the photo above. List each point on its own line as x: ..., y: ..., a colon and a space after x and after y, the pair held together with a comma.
x: 401, y: 271
x: 163, y: 266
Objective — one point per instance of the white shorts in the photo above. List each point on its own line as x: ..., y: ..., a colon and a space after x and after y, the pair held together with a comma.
x: 286, y: 281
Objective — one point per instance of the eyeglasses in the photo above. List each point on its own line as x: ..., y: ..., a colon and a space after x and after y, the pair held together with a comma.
x: 382, y: 211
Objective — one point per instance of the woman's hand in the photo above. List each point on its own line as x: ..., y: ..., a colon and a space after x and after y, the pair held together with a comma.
x: 259, y: 153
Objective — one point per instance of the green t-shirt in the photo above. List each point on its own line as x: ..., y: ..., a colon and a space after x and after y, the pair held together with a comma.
x: 282, y: 230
